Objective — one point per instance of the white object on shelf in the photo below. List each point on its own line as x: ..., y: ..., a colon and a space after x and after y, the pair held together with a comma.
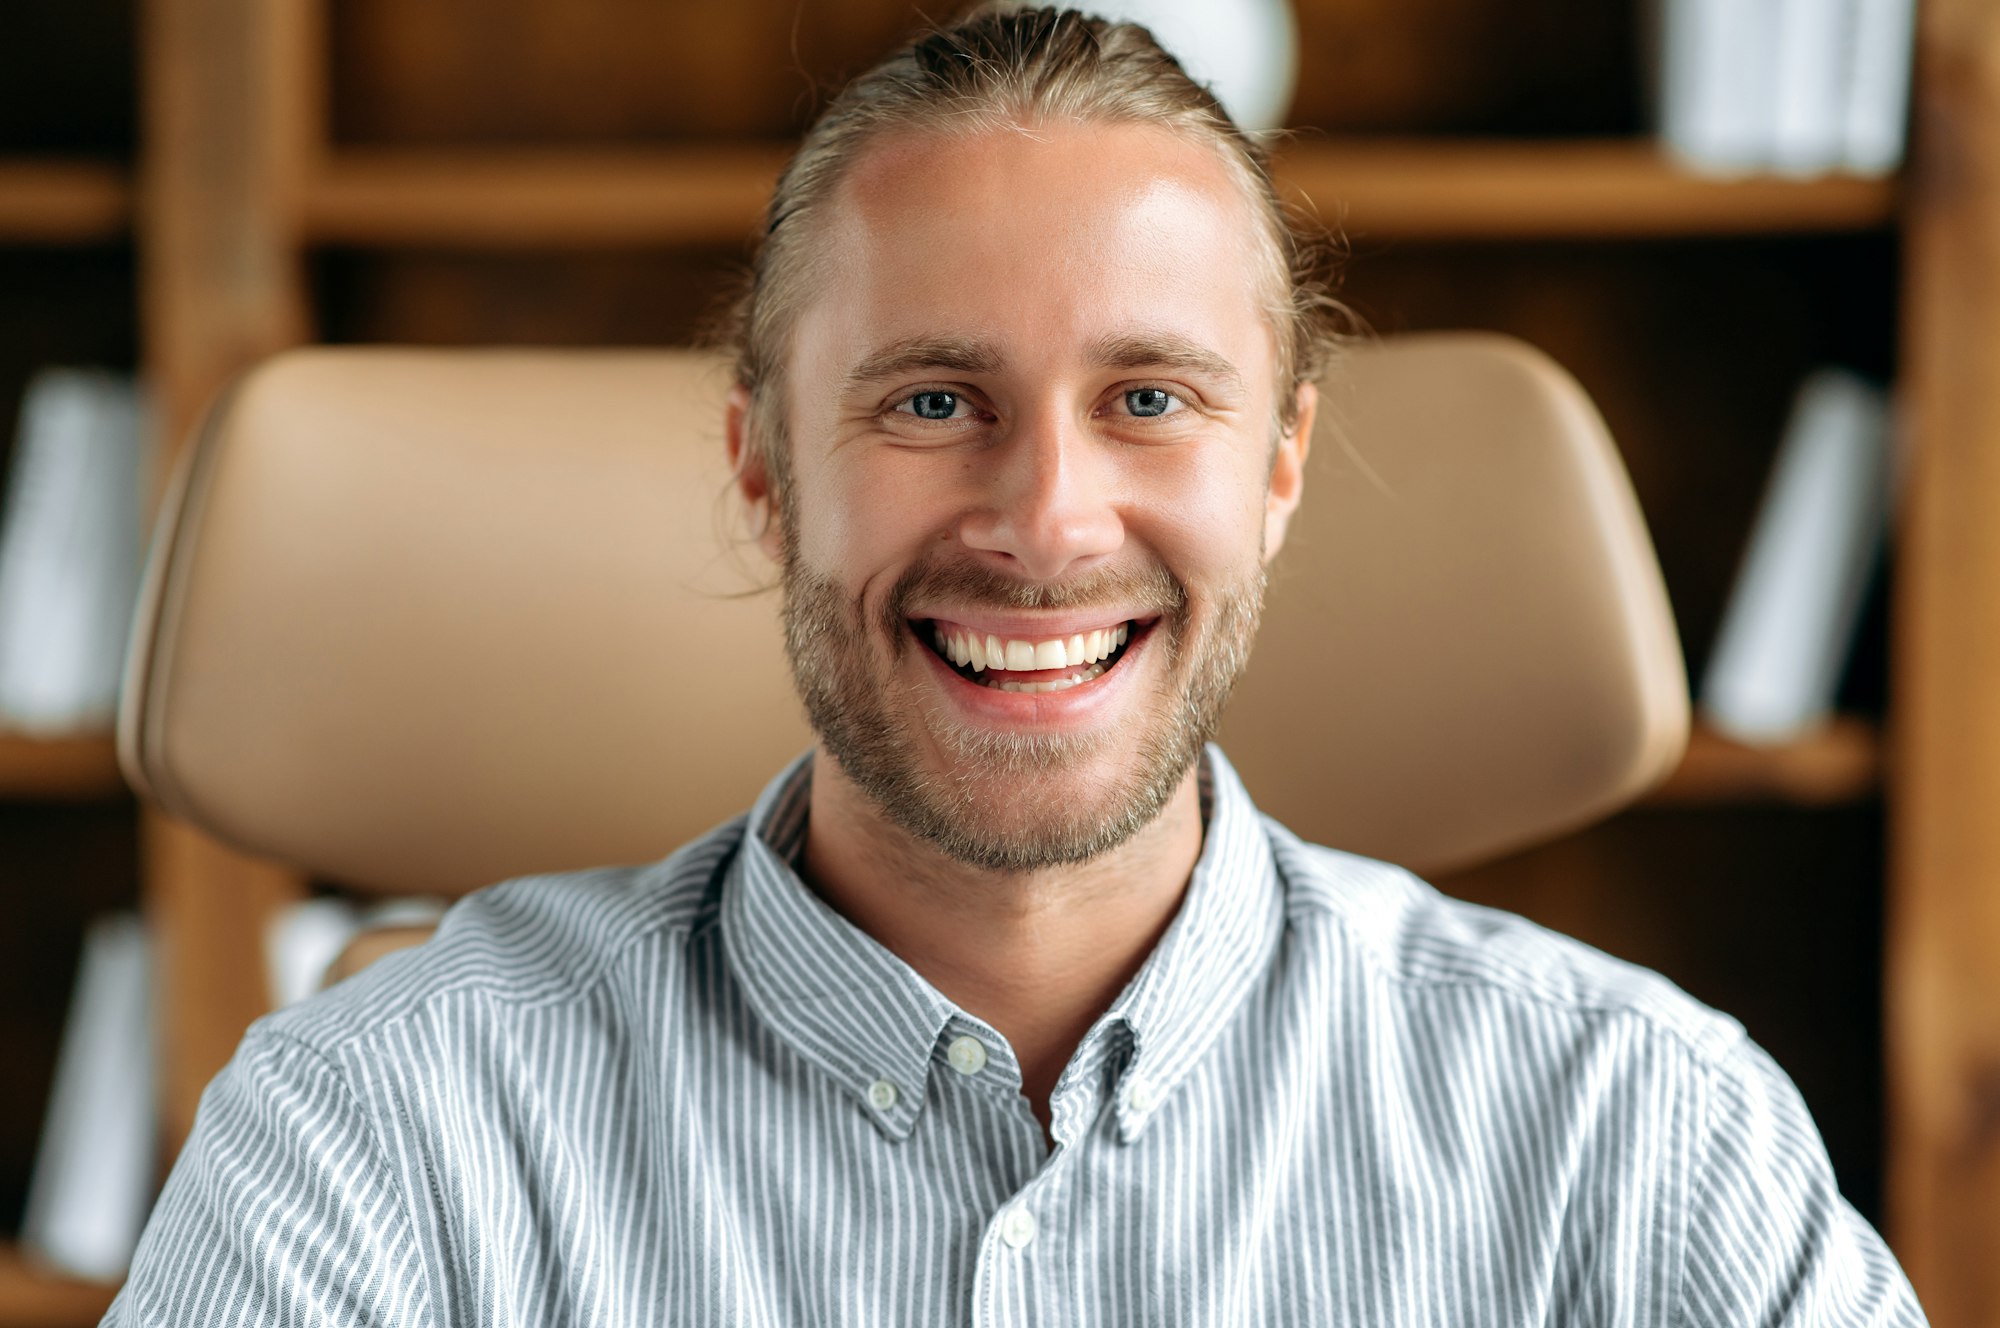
x: 1245, y: 52
x: 303, y: 940
x: 70, y: 550
x: 1813, y: 85
x: 1790, y: 621
x: 93, y: 1177
x: 1878, y: 99
x: 1718, y: 83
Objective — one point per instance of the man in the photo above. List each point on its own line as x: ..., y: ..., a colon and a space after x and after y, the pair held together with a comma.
x: 1004, y: 1006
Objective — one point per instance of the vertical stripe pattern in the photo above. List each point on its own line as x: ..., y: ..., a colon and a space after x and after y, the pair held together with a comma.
x: 690, y: 1093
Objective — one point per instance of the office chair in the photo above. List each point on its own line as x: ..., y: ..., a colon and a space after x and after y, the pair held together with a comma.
x: 421, y: 620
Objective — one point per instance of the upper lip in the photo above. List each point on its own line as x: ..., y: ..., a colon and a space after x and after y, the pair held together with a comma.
x: 1040, y: 627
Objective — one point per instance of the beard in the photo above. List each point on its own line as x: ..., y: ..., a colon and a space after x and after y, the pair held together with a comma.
x: 1011, y: 802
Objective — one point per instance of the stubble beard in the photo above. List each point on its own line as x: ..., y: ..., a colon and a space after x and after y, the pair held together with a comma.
x: 1010, y: 802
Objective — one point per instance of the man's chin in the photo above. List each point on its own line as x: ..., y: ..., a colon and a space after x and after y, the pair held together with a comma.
x: 1026, y: 802
x: 1024, y: 834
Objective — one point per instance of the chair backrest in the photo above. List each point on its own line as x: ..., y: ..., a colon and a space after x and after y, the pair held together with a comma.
x: 419, y: 620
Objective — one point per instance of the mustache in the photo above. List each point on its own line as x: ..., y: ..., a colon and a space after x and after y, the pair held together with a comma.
x: 1148, y: 590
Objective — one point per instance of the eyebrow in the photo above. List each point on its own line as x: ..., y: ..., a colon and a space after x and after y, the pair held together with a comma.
x: 957, y: 354
x: 1141, y: 350
x: 1162, y: 350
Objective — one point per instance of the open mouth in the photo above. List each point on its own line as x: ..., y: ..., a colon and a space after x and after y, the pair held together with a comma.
x: 1010, y: 664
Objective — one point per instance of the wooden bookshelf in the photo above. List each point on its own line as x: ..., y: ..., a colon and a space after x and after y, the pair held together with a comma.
x: 1410, y: 189
x: 1415, y: 189
x: 1606, y: 189
x: 541, y: 199
x: 64, y: 769
x: 63, y: 202
x: 1840, y: 763
x: 33, y: 1297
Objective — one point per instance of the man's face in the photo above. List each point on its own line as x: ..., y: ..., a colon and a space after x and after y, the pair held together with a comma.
x: 1035, y: 474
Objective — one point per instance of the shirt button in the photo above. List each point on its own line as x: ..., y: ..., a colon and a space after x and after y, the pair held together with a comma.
x: 1017, y: 1228
x: 882, y: 1094
x: 1140, y: 1096
x: 967, y: 1055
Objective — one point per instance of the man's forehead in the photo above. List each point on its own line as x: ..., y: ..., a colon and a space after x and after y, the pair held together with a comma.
x: 1120, y: 245
x: 1068, y: 173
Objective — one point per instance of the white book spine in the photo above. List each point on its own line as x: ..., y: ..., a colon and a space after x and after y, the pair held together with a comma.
x: 1790, y: 620
x: 1812, y: 84
x: 93, y: 1176
x: 1878, y: 98
x: 70, y: 551
x: 1718, y: 83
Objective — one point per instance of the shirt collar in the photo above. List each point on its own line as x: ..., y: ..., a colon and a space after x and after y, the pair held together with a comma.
x: 866, y: 1018
x: 833, y: 992
x: 1216, y: 949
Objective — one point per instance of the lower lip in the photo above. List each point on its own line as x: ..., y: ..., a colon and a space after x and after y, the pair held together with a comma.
x: 1071, y: 708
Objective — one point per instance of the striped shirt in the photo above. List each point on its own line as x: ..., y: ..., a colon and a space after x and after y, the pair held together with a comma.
x: 690, y: 1093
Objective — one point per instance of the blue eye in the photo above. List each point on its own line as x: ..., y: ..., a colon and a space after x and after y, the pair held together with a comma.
x: 1149, y: 401
x: 933, y: 405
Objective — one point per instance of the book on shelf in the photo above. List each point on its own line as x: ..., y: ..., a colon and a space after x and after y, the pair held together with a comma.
x: 1789, y: 623
x: 92, y: 1183
x: 302, y: 941
x: 70, y: 550
x: 1799, y: 87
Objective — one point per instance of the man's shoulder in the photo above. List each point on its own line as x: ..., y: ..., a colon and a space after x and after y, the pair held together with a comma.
x: 1429, y: 946
x: 529, y: 942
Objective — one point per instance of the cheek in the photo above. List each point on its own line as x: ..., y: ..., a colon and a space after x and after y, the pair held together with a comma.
x: 857, y: 521
x: 1204, y: 516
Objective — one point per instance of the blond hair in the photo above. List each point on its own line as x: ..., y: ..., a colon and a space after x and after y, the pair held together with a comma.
x: 1006, y: 67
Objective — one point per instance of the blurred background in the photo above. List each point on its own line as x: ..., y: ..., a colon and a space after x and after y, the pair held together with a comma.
x: 187, y: 185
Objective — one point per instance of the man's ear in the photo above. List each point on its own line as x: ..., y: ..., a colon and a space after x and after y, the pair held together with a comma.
x: 753, y: 476
x: 1288, y: 472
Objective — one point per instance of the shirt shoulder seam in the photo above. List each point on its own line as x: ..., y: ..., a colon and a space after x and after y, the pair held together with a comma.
x: 339, y: 1076
x: 1709, y: 1046
x: 683, y: 924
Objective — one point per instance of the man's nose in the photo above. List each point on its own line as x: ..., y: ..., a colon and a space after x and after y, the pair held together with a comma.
x: 1047, y: 503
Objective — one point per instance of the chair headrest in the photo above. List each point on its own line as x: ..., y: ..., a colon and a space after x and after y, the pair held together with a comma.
x: 419, y: 620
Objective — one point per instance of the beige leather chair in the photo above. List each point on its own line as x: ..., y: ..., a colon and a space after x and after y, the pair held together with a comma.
x: 421, y: 620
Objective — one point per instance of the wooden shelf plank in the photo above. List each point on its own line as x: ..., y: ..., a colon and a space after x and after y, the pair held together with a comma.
x: 1561, y: 189
x: 31, y: 1297
x: 1838, y: 764
x: 59, y: 769
x: 64, y: 202
x: 1421, y: 189
x: 534, y: 199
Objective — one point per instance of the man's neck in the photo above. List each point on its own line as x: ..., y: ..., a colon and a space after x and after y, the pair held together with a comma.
x: 1038, y: 955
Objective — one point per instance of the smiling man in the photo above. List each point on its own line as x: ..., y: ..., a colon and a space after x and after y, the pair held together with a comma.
x: 1003, y: 1005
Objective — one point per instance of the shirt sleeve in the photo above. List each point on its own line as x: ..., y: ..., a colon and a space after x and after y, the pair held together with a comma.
x: 1770, y: 1240
x: 282, y: 1209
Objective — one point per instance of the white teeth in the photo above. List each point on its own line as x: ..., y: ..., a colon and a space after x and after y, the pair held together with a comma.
x: 1060, y: 684
x: 990, y: 652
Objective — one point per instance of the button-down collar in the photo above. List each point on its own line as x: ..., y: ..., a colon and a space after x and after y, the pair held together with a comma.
x: 867, y: 1019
